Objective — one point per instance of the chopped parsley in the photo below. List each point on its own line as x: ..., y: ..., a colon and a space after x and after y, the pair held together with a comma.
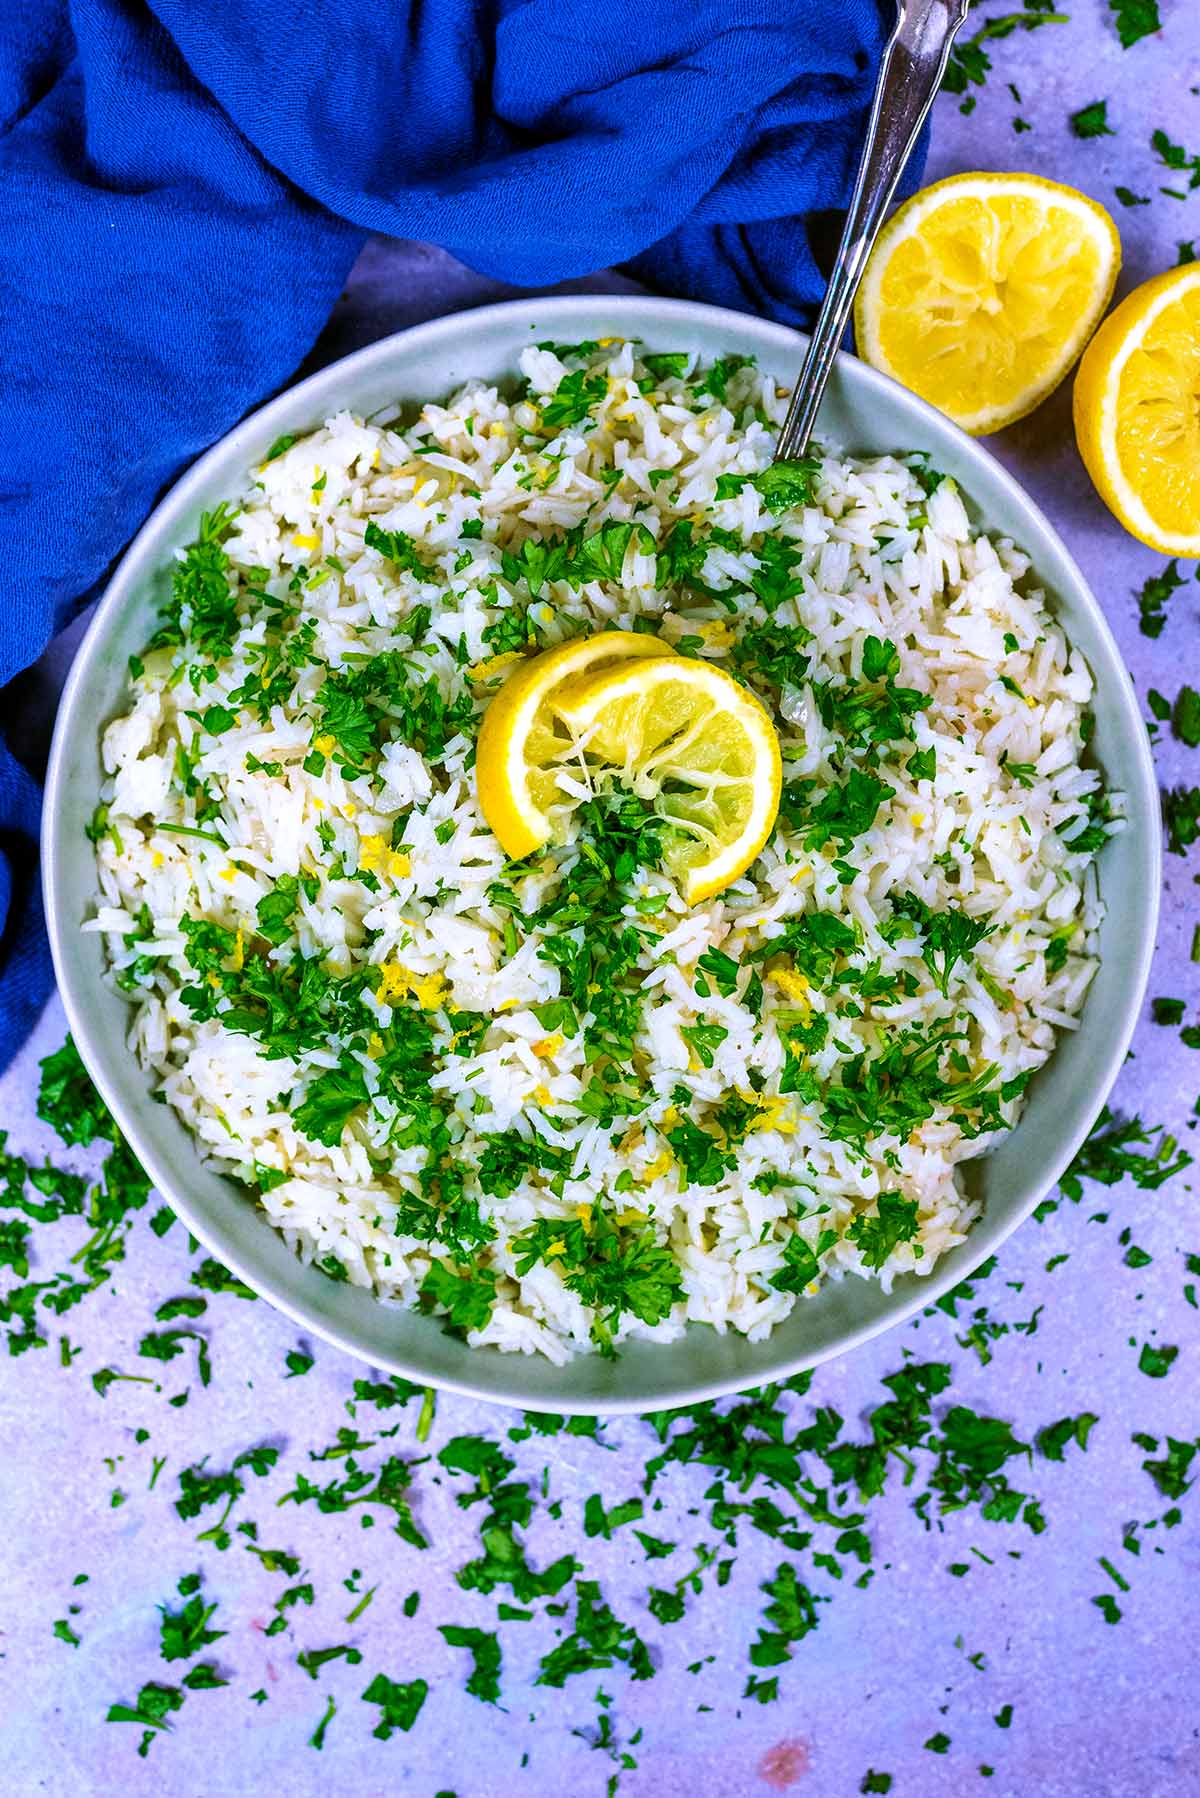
x: 895, y: 1222
x: 483, y: 1681
x: 1092, y: 121
x: 614, y: 1268
x: 1155, y: 594
x: 573, y: 400
x: 1181, y: 817
x: 1134, y: 19
x: 872, y: 714
x: 948, y: 936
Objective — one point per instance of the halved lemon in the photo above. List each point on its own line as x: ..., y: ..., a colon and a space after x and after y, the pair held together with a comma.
x: 521, y: 743
x: 1137, y: 411
x: 983, y: 289
x: 687, y: 738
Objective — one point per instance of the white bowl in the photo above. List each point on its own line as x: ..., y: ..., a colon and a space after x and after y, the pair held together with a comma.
x: 864, y: 412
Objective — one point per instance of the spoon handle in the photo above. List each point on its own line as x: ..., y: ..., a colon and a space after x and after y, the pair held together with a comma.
x: 909, y: 76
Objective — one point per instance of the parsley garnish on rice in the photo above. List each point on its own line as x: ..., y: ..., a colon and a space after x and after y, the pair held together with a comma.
x: 546, y: 1099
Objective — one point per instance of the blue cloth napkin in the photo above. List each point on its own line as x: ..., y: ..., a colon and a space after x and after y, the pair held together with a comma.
x: 184, y: 187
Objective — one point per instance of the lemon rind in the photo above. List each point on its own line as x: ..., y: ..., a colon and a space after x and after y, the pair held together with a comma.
x: 1095, y: 400
x: 907, y: 220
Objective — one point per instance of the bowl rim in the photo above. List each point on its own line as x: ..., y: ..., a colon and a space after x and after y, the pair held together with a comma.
x: 320, y: 388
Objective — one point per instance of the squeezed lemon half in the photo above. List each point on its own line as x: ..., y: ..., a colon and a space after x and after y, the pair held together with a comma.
x: 1137, y: 411
x: 982, y: 291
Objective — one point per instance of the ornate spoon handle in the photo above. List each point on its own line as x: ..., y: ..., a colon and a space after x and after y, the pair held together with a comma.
x: 909, y: 76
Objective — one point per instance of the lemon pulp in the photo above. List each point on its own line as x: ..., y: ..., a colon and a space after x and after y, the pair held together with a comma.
x: 1137, y: 411
x: 522, y: 745
x: 687, y: 738
x: 982, y: 291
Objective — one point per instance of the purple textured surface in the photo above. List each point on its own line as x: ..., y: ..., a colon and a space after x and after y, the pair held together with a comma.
x: 1097, y: 1711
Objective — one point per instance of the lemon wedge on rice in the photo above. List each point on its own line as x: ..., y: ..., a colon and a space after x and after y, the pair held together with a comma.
x: 1137, y: 411
x: 982, y: 291
x: 687, y: 738
x: 522, y: 744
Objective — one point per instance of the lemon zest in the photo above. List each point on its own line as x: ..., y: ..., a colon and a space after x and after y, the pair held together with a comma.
x: 397, y: 982
x: 790, y: 983
x: 493, y: 665
x: 716, y: 633
x: 653, y: 1170
x: 774, y: 1114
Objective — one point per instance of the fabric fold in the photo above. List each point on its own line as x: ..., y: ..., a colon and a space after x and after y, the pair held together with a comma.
x: 184, y: 188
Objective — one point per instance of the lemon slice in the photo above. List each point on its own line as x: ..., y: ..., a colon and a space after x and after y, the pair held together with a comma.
x: 1137, y: 411
x: 521, y: 744
x: 686, y: 737
x: 982, y: 291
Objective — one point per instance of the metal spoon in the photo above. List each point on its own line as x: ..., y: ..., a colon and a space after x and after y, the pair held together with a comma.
x: 909, y: 77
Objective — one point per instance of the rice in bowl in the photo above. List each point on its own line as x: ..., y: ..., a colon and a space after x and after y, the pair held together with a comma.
x: 548, y: 1100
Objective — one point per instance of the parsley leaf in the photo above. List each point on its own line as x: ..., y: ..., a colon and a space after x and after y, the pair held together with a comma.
x: 613, y: 1268
x: 203, y: 608
x: 573, y: 399
x: 787, y: 484
x: 346, y: 717
x: 598, y: 1640
x: 1134, y: 19
x: 664, y: 366
x: 465, y: 1294
x: 773, y: 652
x: 1153, y: 598
x: 397, y: 546
x: 874, y: 712
x: 949, y: 936
x: 483, y: 1681
x: 1185, y: 719
x: 721, y: 969
x: 1092, y: 121
x: 275, y: 910
x: 400, y: 1703
x: 1156, y: 1362
x: 716, y: 378
x: 1109, y: 1155
x: 801, y: 1261
x: 185, y: 1632
x: 68, y: 1101
x: 842, y: 814
x: 330, y: 1101
x: 704, y: 1040
x: 896, y: 1222
x: 1181, y: 815
x: 792, y: 1614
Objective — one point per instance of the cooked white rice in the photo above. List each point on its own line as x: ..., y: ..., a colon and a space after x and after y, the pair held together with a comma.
x: 389, y: 873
